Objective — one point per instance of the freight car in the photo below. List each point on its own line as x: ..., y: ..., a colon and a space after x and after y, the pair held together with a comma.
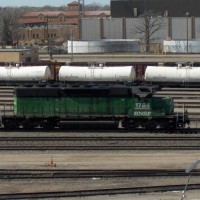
x: 15, y: 75
x: 178, y: 76
x: 97, y: 74
x: 21, y: 74
x: 130, y: 107
x: 182, y: 75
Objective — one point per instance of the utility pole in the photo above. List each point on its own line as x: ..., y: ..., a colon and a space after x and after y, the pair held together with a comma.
x: 72, y: 56
x: 47, y: 24
x: 187, y: 16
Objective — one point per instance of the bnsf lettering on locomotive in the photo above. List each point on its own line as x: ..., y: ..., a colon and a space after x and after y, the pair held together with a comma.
x: 142, y: 113
x: 142, y: 105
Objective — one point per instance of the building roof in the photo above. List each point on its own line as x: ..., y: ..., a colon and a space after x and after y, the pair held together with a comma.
x: 70, y: 13
x: 31, y: 21
x: 50, y: 13
x: 97, y: 13
x: 73, y: 3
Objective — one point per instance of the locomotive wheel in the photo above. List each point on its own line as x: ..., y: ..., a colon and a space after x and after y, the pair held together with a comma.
x: 172, y: 126
x: 165, y: 125
x: 130, y: 125
x: 27, y: 125
x: 48, y: 125
x: 126, y: 125
x: 10, y: 125
x: 150, y: 125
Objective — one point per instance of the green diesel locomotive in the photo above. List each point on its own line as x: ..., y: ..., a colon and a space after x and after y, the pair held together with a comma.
x: 130, y: 107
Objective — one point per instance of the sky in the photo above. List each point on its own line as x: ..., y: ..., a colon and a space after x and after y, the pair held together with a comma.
x: 41, y: 3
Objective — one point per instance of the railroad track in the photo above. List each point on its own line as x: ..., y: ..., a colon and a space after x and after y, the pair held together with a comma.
x: 107, y: 127
x: 99, y: 143
x: 101, y: 138
x: 95, y: 192
x: 43, y: 174
x: 85, y: 173
x: 100, y: 148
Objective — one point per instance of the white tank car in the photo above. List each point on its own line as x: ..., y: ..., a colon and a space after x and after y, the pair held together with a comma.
x: 25, y: 73
x: 172, y: 74
x: 97, y: 74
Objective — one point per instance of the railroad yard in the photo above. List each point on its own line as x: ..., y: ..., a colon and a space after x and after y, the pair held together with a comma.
x: 82, y: 171
x: 103, y: 159
x: 94, y: 164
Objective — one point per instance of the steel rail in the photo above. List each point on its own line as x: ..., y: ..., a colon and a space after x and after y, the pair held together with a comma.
x: 102, y: 138
x: 97, y: 148
x: 95, y: 192
x: 49, y: 174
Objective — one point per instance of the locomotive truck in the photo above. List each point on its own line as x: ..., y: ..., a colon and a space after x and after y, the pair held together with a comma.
x: 131, y: 107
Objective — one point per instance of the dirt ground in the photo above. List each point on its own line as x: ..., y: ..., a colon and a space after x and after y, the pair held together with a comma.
x: 99, y: 160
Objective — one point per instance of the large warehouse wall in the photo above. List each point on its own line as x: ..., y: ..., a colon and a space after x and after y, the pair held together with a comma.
x: 179, y: 28
x: 197, y: 27
x: 132, y: 23
x: 124, y: 28
x: 90, y: 29
x: 113, y: 28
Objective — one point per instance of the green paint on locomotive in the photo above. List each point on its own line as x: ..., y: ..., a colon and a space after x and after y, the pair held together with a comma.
x: 93, y: 106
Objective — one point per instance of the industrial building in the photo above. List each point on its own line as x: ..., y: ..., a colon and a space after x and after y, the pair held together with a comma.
x: 19, y: 55
x: 166, y: 8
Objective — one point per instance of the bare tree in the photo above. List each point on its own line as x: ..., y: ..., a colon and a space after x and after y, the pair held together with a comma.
x: 148, y: 25
x: 9, y: 24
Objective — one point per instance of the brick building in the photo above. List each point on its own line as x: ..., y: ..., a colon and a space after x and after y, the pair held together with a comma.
x: 55, y: 27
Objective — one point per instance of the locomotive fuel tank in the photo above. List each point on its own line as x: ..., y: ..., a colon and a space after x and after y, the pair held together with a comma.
x: 97, y: 74
x: 172, y: 74
x: 25, y: 73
